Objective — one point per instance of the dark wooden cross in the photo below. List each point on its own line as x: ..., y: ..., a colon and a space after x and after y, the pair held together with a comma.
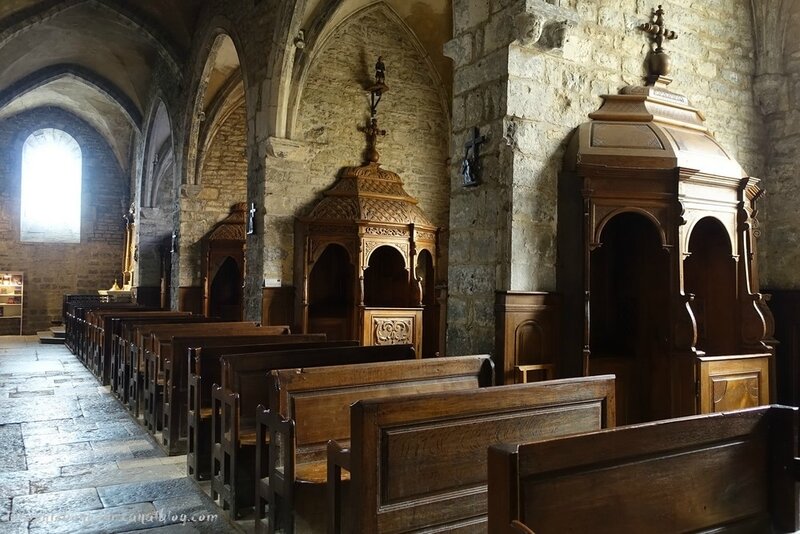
x: 373, y: 131
x: 659, y: 30
x: 469, y: 167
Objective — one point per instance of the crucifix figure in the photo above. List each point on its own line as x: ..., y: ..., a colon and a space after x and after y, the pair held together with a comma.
x: 251, y: 219
x: 469, y: 167
x: 659, y: 61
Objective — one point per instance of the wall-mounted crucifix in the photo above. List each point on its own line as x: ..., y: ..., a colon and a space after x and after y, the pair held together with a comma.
x: 470, y: 167
x: 251, y: 219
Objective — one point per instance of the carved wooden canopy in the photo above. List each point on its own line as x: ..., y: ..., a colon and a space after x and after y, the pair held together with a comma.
x: 232, y: 227
x: 369, y: 194
x: 651, y: 128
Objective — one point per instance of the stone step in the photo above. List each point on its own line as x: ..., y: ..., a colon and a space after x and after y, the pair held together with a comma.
x: 46, y: 337
x: 58, y: 331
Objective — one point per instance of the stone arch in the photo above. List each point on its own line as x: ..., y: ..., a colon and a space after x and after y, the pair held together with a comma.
x: 158, y: 155
x: 320, y: 34
x: 217, y: 31
x: 81, y: 75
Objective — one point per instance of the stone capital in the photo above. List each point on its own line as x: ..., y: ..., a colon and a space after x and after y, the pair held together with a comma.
x: 287, y: 149
x: 543, y: 24
x: 771, y: 93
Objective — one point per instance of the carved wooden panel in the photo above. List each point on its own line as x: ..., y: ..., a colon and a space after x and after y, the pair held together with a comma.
x: 733, y: 382
x: 526, y: 332
x: 190, y: 299
x: 392, y: 326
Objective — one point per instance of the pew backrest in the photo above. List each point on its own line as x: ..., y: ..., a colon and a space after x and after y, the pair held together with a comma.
x: 318, y: 399
x: 725, y: 472
x: 419, y: 462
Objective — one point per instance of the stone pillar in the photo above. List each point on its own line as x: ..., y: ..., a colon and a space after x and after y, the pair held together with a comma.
x: 776, y: 91
x: 502, y: 232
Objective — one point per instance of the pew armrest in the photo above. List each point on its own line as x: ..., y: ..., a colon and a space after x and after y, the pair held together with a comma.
x: 281, y: 467
x: 516, y: 526
x: 338, y: 459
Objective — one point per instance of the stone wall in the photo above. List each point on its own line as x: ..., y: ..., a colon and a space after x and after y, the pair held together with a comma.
x: 335, y: 104
x: 52, y: 269
x: 527, y: 84
x: 222, y: 183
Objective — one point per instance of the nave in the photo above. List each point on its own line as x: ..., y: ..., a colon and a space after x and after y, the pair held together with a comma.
x: 73, y: 460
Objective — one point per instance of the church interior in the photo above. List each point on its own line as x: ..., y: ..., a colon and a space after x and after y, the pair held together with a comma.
x: 399, y: 266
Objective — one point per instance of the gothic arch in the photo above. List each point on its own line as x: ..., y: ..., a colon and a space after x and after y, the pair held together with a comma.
x: 81, y: 75
x: 217, y: 31
x: 159, y: 154
x: 324, y: 28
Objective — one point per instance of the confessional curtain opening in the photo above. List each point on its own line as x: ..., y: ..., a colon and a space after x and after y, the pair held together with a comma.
x: 430, y: 311
x: 710, y: 274
x: 330, y: 293
x: 629, y: 316
x: 386, y: 282
x: 225, y: 297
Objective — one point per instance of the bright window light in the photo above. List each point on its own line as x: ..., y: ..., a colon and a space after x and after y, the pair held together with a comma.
x: 51, y: 188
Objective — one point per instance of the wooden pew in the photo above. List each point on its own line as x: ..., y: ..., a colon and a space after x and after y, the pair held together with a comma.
x: 161, y: 348
x: 205, y: 371
x: 69, y: 313
x: 81, y: 327
x: 104, y: 336
x: 138, y: 341
x: 176, y: 371
x: 97, y: 321
x: 120, y: 330
x: 243, y: 389
x: 309, y: 407
x: 725, y: 472
x: 418, y: 463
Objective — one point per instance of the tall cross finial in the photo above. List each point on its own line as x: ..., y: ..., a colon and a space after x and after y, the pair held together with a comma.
x: 659, y: 61
x: 372, y: 131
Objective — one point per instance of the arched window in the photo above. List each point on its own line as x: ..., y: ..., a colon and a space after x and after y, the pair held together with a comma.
x: 51, y: 188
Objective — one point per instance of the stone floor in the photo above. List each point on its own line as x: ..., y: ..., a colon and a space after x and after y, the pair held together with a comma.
x: 73, y: 460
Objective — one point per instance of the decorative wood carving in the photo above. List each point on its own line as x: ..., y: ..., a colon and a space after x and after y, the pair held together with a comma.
x: 392, y: 326
x: 367, y: 213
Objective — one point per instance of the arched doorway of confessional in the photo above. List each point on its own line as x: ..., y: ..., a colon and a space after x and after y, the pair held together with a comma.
x: 430, y: 311
x: 386, y: 280
x: 331, y: 304
x: 225, y: 295
x: 630, y: 316
x: 710, y: 275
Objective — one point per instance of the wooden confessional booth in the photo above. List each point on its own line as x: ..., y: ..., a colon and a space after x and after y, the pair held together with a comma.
x: 657, y: 266
x: 367, y: 257
x: 222, y: 266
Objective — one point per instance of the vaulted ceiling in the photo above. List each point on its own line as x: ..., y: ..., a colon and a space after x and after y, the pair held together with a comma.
x: 94, y: 58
